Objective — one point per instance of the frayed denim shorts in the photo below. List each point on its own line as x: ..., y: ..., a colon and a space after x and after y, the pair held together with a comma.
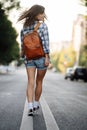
x: 37, y: 63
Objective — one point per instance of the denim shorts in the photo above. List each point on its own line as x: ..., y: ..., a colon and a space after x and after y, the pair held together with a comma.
x: 37, y: 63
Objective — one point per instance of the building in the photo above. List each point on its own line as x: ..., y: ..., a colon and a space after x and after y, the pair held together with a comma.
x: 79, y: 34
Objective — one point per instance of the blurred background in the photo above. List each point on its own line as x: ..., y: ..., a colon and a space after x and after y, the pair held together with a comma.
x: 67, y: 24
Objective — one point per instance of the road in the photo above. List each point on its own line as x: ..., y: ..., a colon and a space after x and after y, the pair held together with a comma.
x: 63, y: 103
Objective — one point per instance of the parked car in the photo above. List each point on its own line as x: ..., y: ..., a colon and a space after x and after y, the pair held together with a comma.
x: 68, y: 73
x: 78, y: 73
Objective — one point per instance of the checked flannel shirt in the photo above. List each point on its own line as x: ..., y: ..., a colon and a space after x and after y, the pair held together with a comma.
x: 43, y: 33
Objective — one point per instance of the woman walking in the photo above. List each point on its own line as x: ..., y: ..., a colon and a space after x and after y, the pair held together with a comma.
x: 36, y: 68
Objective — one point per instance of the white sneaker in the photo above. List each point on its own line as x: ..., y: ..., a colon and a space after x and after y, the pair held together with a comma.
x: 30, y: 112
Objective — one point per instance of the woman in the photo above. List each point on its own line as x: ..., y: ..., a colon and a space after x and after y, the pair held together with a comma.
x: 36, y: 68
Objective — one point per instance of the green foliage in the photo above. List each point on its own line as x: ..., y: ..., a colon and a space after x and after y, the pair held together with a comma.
x: 83, y: 2
x: 63, y: 59
x: 20, y: 62
x: 8, y: 5
x: 67, y: 58
x: 9, y: 48
x: 55, y: 59
x: 83, y: 56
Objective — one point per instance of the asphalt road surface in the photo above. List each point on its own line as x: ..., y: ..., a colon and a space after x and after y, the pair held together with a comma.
x: 63, y: 104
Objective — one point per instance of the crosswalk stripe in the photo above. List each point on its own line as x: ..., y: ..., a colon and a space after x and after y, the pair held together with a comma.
x: 48, y: 116
x: 27, y: 121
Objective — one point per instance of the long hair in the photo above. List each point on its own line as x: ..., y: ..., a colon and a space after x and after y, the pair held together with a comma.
x: 30, y: 15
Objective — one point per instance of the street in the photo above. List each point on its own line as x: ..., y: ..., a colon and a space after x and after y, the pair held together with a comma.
x: 64, y: 100
x: 67, y: 101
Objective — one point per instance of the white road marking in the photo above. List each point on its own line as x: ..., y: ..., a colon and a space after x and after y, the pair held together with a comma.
x: 48, y: 116
x: 27, y: 121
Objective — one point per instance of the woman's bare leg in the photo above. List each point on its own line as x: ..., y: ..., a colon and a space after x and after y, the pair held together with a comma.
x: 39, y: 81
x: 30, y: 86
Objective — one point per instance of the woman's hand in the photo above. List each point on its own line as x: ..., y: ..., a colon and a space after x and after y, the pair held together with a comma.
x: 47, y: 60
x: 21, y: 53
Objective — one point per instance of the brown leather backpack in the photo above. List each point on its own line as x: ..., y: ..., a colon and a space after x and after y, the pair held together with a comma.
x: 33, y: 48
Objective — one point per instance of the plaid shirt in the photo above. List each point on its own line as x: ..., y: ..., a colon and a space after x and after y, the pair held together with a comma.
x: 43, y: 33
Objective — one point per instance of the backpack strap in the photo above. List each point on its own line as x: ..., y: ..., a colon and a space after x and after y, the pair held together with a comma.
x: 37, y: 26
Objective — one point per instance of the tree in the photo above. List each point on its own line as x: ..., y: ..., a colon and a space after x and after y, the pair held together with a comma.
x: 7, y: 5
x: 83, y: 56
x: 9, y: 48
x: 83, y: 51
x: 83, y: 2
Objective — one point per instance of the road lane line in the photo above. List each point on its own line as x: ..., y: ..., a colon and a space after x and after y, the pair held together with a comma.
x: 48, y: 116
x: 27, y: 121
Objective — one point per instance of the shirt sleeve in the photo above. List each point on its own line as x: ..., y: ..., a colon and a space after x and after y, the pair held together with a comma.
x: 21, y: 38
x: 45, y: 38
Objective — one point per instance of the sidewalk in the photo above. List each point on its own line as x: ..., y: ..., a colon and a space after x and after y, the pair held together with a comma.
x: 6, y: 69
